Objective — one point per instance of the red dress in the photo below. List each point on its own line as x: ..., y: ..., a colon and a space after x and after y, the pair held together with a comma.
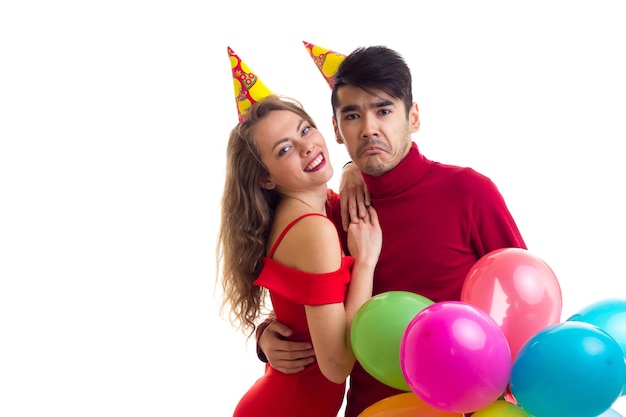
x: 308, y: 393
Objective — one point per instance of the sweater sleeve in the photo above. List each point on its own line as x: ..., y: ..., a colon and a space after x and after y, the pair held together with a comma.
x: 493, y: 225
x: 333, y: 209
x: 259, y: 331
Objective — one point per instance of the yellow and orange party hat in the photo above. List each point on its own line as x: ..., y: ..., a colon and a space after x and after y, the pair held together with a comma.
x: 327, y: 61
x: 248, y: 87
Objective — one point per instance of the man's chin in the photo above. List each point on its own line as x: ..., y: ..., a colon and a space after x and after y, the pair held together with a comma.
x: 372, y: 166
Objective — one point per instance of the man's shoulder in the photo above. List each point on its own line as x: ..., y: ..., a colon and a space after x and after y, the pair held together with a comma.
x: 458, y: 172
x: 462, y: 178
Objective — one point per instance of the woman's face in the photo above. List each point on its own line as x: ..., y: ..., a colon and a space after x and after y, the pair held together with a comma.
x: 293, y: 151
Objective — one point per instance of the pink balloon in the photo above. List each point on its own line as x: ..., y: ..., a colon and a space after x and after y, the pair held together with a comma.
x: 518, y: 290
x: 455, y: 357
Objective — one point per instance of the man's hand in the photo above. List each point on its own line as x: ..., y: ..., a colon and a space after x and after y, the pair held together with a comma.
x: 353, y: 196
x: 283, y: 355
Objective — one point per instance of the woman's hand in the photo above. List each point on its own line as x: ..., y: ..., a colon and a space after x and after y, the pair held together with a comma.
x: 353, y: 195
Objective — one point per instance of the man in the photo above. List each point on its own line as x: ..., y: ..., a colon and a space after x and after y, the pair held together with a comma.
x: 437, y: 219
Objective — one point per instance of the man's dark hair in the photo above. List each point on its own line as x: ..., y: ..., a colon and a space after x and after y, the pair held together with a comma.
x: 375, y: 67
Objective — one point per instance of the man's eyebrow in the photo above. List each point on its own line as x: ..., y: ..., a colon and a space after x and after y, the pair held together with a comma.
x: 382, y: 103
x: 349, y: 108
x: 378, y: 104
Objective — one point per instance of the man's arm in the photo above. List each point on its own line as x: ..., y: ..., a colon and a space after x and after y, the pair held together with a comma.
x: 283, y: 355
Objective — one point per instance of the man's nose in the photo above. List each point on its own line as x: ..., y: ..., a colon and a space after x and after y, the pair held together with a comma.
x: 370, y: 127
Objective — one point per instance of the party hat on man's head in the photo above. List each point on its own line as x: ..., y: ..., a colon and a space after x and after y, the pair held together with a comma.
x: 248, y: 88
x: 327, y: 61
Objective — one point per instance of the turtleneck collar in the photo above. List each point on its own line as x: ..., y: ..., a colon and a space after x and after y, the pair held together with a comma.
x: 408, y: 172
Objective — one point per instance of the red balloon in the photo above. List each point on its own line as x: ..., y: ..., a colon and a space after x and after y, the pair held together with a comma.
x: 518, y: 290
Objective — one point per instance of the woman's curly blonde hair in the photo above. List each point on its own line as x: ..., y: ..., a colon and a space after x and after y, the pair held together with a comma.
x: 246, y: 217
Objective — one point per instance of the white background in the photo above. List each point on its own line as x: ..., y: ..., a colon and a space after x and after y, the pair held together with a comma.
x: 114, y: 117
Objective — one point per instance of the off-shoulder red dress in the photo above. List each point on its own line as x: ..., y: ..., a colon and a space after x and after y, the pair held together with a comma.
x: 307, y: 393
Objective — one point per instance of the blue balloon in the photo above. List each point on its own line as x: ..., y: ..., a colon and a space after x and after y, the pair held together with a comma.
x: 609, y: 315
x: 610, y: 413
x: 570, y: 369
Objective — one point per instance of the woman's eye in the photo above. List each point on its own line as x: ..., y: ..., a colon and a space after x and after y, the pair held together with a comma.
x: 284, y: 150
x: 306, y: 130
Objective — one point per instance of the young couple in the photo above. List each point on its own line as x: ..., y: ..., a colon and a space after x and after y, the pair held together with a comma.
x: 322, y: 256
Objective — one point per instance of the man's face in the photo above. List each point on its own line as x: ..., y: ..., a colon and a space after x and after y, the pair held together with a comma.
x: 374, y: 128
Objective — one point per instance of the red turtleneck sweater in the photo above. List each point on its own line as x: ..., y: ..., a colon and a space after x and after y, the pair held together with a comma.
x: 437, y: 221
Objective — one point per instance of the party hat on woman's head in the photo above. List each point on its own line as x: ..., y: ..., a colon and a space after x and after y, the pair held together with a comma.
x: 248, y: 88
x: 327, y: 61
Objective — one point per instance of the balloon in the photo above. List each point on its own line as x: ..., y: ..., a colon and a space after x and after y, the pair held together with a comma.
x: 455, y: 357
x: 609, y: 315
x: 501, y: 408
x: 518, y: 290
x: 404, y: 405
x: 377, y: 329
x: 509, y: 397
x: 570, y: 369
x: 610, y: 413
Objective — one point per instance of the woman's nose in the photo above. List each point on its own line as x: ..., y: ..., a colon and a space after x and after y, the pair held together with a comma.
x: 307, y: 148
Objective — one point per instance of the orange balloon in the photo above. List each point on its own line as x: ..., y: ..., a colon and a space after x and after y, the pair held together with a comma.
x: 404, y: 405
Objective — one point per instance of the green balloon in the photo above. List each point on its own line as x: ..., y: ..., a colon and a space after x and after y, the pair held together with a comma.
x: 377, y: 330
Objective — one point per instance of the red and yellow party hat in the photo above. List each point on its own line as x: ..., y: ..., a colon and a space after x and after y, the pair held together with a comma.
x: 327, y: 61
x: 248, y: 87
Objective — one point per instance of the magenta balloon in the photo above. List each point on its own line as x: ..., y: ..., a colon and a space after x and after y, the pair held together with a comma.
x: 376, y: 332
x: 518, y: 290
x: 455, y: 357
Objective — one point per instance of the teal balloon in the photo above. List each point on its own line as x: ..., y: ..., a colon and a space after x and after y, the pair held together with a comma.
x: 571, y: 369
x: 377, y: 330
x: 610, y: 413
x: 609, y: 315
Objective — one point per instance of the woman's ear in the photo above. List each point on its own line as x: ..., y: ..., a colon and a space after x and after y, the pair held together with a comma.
x: 268, y: 184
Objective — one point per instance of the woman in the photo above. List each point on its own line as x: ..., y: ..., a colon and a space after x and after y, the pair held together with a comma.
x: 275, y: 236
